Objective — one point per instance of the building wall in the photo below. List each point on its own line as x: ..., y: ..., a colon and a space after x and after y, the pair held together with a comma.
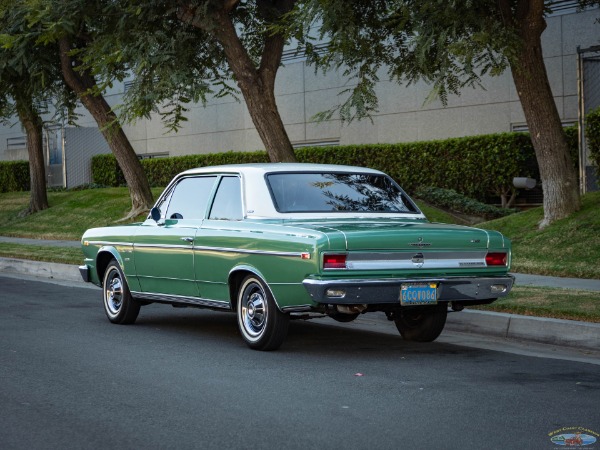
x: 224, y: 124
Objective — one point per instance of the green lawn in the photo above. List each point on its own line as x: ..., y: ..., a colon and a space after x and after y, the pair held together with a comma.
x: 434, y: 214
x: 69, y: 215
x: 548, y: 302
x: 65, y: 255
x: 567, y: 248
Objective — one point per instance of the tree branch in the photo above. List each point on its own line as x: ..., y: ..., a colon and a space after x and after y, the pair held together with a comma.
x: 229, y: 5
x: 273, y: 48
x: 506, y: 13
x: 82, y: 82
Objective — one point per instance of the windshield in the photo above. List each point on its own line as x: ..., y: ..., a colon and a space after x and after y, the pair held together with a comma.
x: 337, y: 192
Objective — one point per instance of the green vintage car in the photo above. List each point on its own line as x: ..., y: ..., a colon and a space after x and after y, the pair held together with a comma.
x: 274, y: 242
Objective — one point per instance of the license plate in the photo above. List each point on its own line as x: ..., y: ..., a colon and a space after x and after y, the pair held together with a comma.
x: 418, y: 294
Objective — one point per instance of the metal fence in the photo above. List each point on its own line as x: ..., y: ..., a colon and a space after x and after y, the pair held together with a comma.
x: 588, y: 75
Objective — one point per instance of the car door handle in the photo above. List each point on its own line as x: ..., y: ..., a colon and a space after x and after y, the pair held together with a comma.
x: 188, y: 239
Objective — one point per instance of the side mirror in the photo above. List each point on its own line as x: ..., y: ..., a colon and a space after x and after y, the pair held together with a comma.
x: 155, y: 214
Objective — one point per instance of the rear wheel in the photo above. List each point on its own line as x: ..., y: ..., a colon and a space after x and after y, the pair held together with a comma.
x: 421, y: 324
x: 262, y: 325
x: 120, y: 307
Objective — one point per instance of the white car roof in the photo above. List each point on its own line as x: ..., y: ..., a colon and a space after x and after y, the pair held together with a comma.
x: 279, y: 167
x: 257, y: 198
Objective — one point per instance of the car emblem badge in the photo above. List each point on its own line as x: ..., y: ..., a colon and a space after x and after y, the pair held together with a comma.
x: 420, y: 243
x: 418, y: 260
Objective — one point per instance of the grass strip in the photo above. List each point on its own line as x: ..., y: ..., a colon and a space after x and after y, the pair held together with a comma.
x: 69, y: 215
x: 556, y: 303
x: 64, y: 255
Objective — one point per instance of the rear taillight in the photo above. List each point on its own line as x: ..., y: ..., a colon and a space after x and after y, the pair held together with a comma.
x: 334, y: 261
x: 496, y: 259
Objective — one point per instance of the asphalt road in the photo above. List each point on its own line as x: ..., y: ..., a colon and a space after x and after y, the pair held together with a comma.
x: 183, y: 378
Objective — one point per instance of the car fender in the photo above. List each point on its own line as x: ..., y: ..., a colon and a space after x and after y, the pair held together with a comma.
x: 102, y: 259
x: 255, y: 271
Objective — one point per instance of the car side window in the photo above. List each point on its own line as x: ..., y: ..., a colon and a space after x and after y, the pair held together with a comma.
x: 190, y: 198
x: 227, y: 204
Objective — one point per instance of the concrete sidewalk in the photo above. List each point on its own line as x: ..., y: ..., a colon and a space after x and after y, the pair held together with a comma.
x: 584, y: 284
x: 580, y: 335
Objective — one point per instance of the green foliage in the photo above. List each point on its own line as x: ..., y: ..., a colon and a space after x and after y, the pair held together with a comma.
x: 592, y: 136
x: 106, y: 171
x: 449, y: 45
x: 160, y: 171
x: 14, y: 176
x: 452, y: 163
x: 477, y: 166
x: 450, y: 199
x: 30, y: 71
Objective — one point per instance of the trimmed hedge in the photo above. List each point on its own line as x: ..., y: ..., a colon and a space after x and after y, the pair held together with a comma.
x: 449, y: 198
x: 14, y: 176
x: 592, y: 136
x: 477, y: 166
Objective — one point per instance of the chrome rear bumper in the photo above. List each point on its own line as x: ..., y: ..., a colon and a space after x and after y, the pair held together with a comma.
x: 388, y: 290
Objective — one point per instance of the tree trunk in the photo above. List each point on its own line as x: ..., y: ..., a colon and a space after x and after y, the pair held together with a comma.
x: 559, y: 179
x: 32, y: 123
x: 84, y: 85
x: 257, y: 85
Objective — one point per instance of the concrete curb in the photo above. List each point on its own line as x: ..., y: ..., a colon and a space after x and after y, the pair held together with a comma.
x: 63, y: 272
x: 572, y: 333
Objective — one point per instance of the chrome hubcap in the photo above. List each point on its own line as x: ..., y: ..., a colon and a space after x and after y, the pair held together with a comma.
x: 114, y: 293
x: 254, y: 311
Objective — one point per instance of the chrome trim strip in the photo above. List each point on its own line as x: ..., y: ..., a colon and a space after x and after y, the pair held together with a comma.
x: 403, y: 260
x: 144, y: 277
x: 407, y: 255
x: 240, y: 250
x: 298, y: 308
x: 168, y: 246
x: 408, y: 264
x: 195, y: 301
x: 124, y: 244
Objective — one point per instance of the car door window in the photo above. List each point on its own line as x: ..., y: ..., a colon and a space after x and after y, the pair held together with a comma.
x: 227, y: 204
x: 190, y: 198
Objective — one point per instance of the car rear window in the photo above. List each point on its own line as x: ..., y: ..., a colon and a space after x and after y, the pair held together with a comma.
x: 337, y: 192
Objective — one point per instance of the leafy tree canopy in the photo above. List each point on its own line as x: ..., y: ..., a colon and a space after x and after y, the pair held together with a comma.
x: 29, y: 71
x: 449, y: 44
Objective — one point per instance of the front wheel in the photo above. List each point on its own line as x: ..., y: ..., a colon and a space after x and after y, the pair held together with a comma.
x: 421, y: 324
x: 120, y: 307
x: 262, y: 325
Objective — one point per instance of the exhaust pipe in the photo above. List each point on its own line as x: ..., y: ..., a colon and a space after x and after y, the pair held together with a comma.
x: 350, y: 309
